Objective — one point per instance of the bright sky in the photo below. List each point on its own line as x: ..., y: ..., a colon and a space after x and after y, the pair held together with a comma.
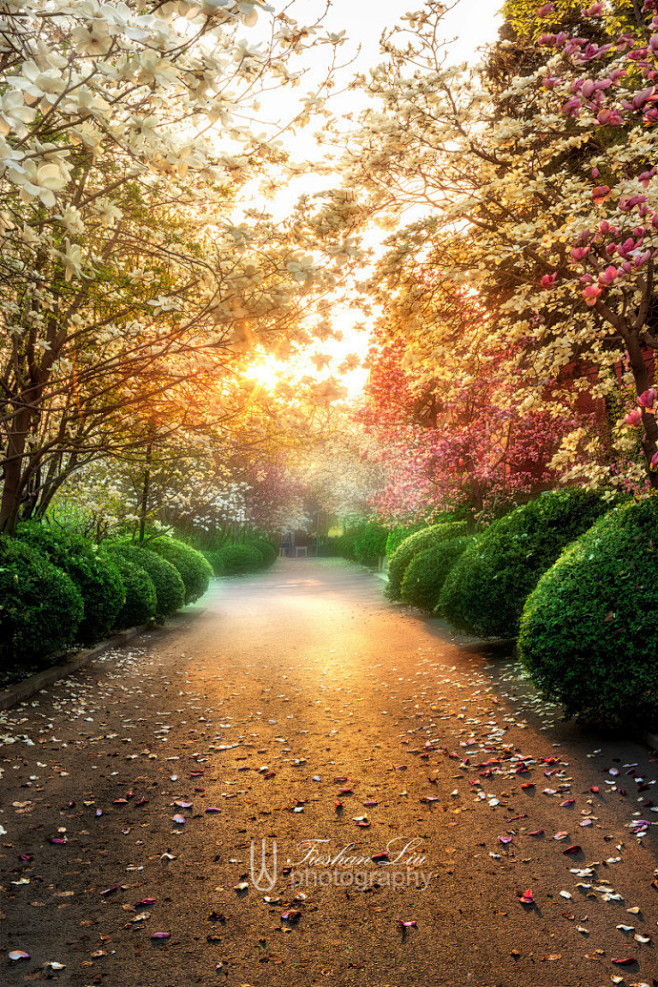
x: 471, y: 24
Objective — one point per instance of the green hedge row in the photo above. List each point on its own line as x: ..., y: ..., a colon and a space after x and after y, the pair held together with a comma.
x: 589, y: 631
x: 58, y: 589
x: 420, y: 541
x: 575, y: 577
x: 242, y: 558
x: 485, y: 592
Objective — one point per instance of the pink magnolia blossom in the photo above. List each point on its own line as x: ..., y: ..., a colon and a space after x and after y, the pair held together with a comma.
x: 546, y: 10
x: 600, y: 194
x: 634, y: 417
x: 591, y: 293
x: 648, y: 398
x: 610, y: 118
x: 572, y: 107
x: 549, y: 280
x: 654, y: 461
x: 579, y: 253
x: 607, y: 277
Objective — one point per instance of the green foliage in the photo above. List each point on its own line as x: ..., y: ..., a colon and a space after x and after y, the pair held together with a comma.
x: 371, y: 543
x: 95, y: 575
x: 589, y: 631
x: 214, y: 558
x: 141, y: 599
x: 397, y: 535
x: 194, y: 569
x: 411, y: 546
x: 427, y: 571
x: 40, y: 606
x: 267, y: 549
x: 345, y: 545
x: 169, y: 587
x: 485, y: 591
x: 238, y: 560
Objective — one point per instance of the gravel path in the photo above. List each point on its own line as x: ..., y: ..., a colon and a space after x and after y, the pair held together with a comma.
x: 301, y: 709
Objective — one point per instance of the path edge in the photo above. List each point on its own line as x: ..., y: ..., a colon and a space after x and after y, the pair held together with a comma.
x: 35, y: 683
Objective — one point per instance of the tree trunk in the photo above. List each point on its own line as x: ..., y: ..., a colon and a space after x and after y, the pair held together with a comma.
x: 145, y: 495
x: 14, y: 480
x: 643, y: 383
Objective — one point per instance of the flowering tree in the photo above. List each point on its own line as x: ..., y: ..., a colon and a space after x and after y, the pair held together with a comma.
x: 464, y: 444
x: 533, y: 177
x: 120, y: 157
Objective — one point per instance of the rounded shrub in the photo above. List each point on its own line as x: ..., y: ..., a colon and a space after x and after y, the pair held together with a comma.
x: 238, y: 560
x: 194, y: 569
x: 97, y: 578
x: 397, y: 535
x: 344, y: 546
x: 169, y: 587
x: 371, y: 544
x: 427, y: 571
x: 214, y: 559
x: 269, y: 551
x: 485, y: 592
x: 418, y: 542
x: 589, y: 631
x: 40, y: 606
x: 141, y: 599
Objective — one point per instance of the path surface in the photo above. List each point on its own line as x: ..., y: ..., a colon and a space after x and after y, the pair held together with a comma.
x: 285, y: 684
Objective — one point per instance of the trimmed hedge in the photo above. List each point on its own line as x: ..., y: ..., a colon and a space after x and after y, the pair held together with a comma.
x: 269, y: 551
x: 169, y: 587
x: 97, y: 578
x: 411, y: 546
x: 426, y: 573
x: 141, y: 598
x: 589, y: 632
x: 215, y: 561
x: 40, y: 606
x: 485, y: 592
x: 398, y: 534
x: 371, y: 544
x: 239, y: 560
x: 344, y: 545
x: 194, y: 569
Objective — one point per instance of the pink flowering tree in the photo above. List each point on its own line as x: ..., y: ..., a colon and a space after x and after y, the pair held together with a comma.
x: 533, y: 180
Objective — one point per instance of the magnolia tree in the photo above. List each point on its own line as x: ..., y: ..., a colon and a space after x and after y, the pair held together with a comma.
x: 464, y: 444
x: 122, y: 148
x: 532, y: 177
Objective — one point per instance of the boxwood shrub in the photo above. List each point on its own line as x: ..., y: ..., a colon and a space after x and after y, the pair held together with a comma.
x: 485, y: 592
x: 141, y: 599
x: 344, y: 546
x: 97, y: 578
x: 418, y: 542
x: 40, y: 606
x: 238, y: 560
x: 267, y: 549
x: 169, y: 587
x: 427, y: 571
x: 194, y: 569
x: 371, y: 544
x: 589, y: 631
x: 398, y: 534
x: 214, y: 559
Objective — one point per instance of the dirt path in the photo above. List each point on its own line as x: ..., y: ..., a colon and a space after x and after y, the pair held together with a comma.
x: 293, y: 692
